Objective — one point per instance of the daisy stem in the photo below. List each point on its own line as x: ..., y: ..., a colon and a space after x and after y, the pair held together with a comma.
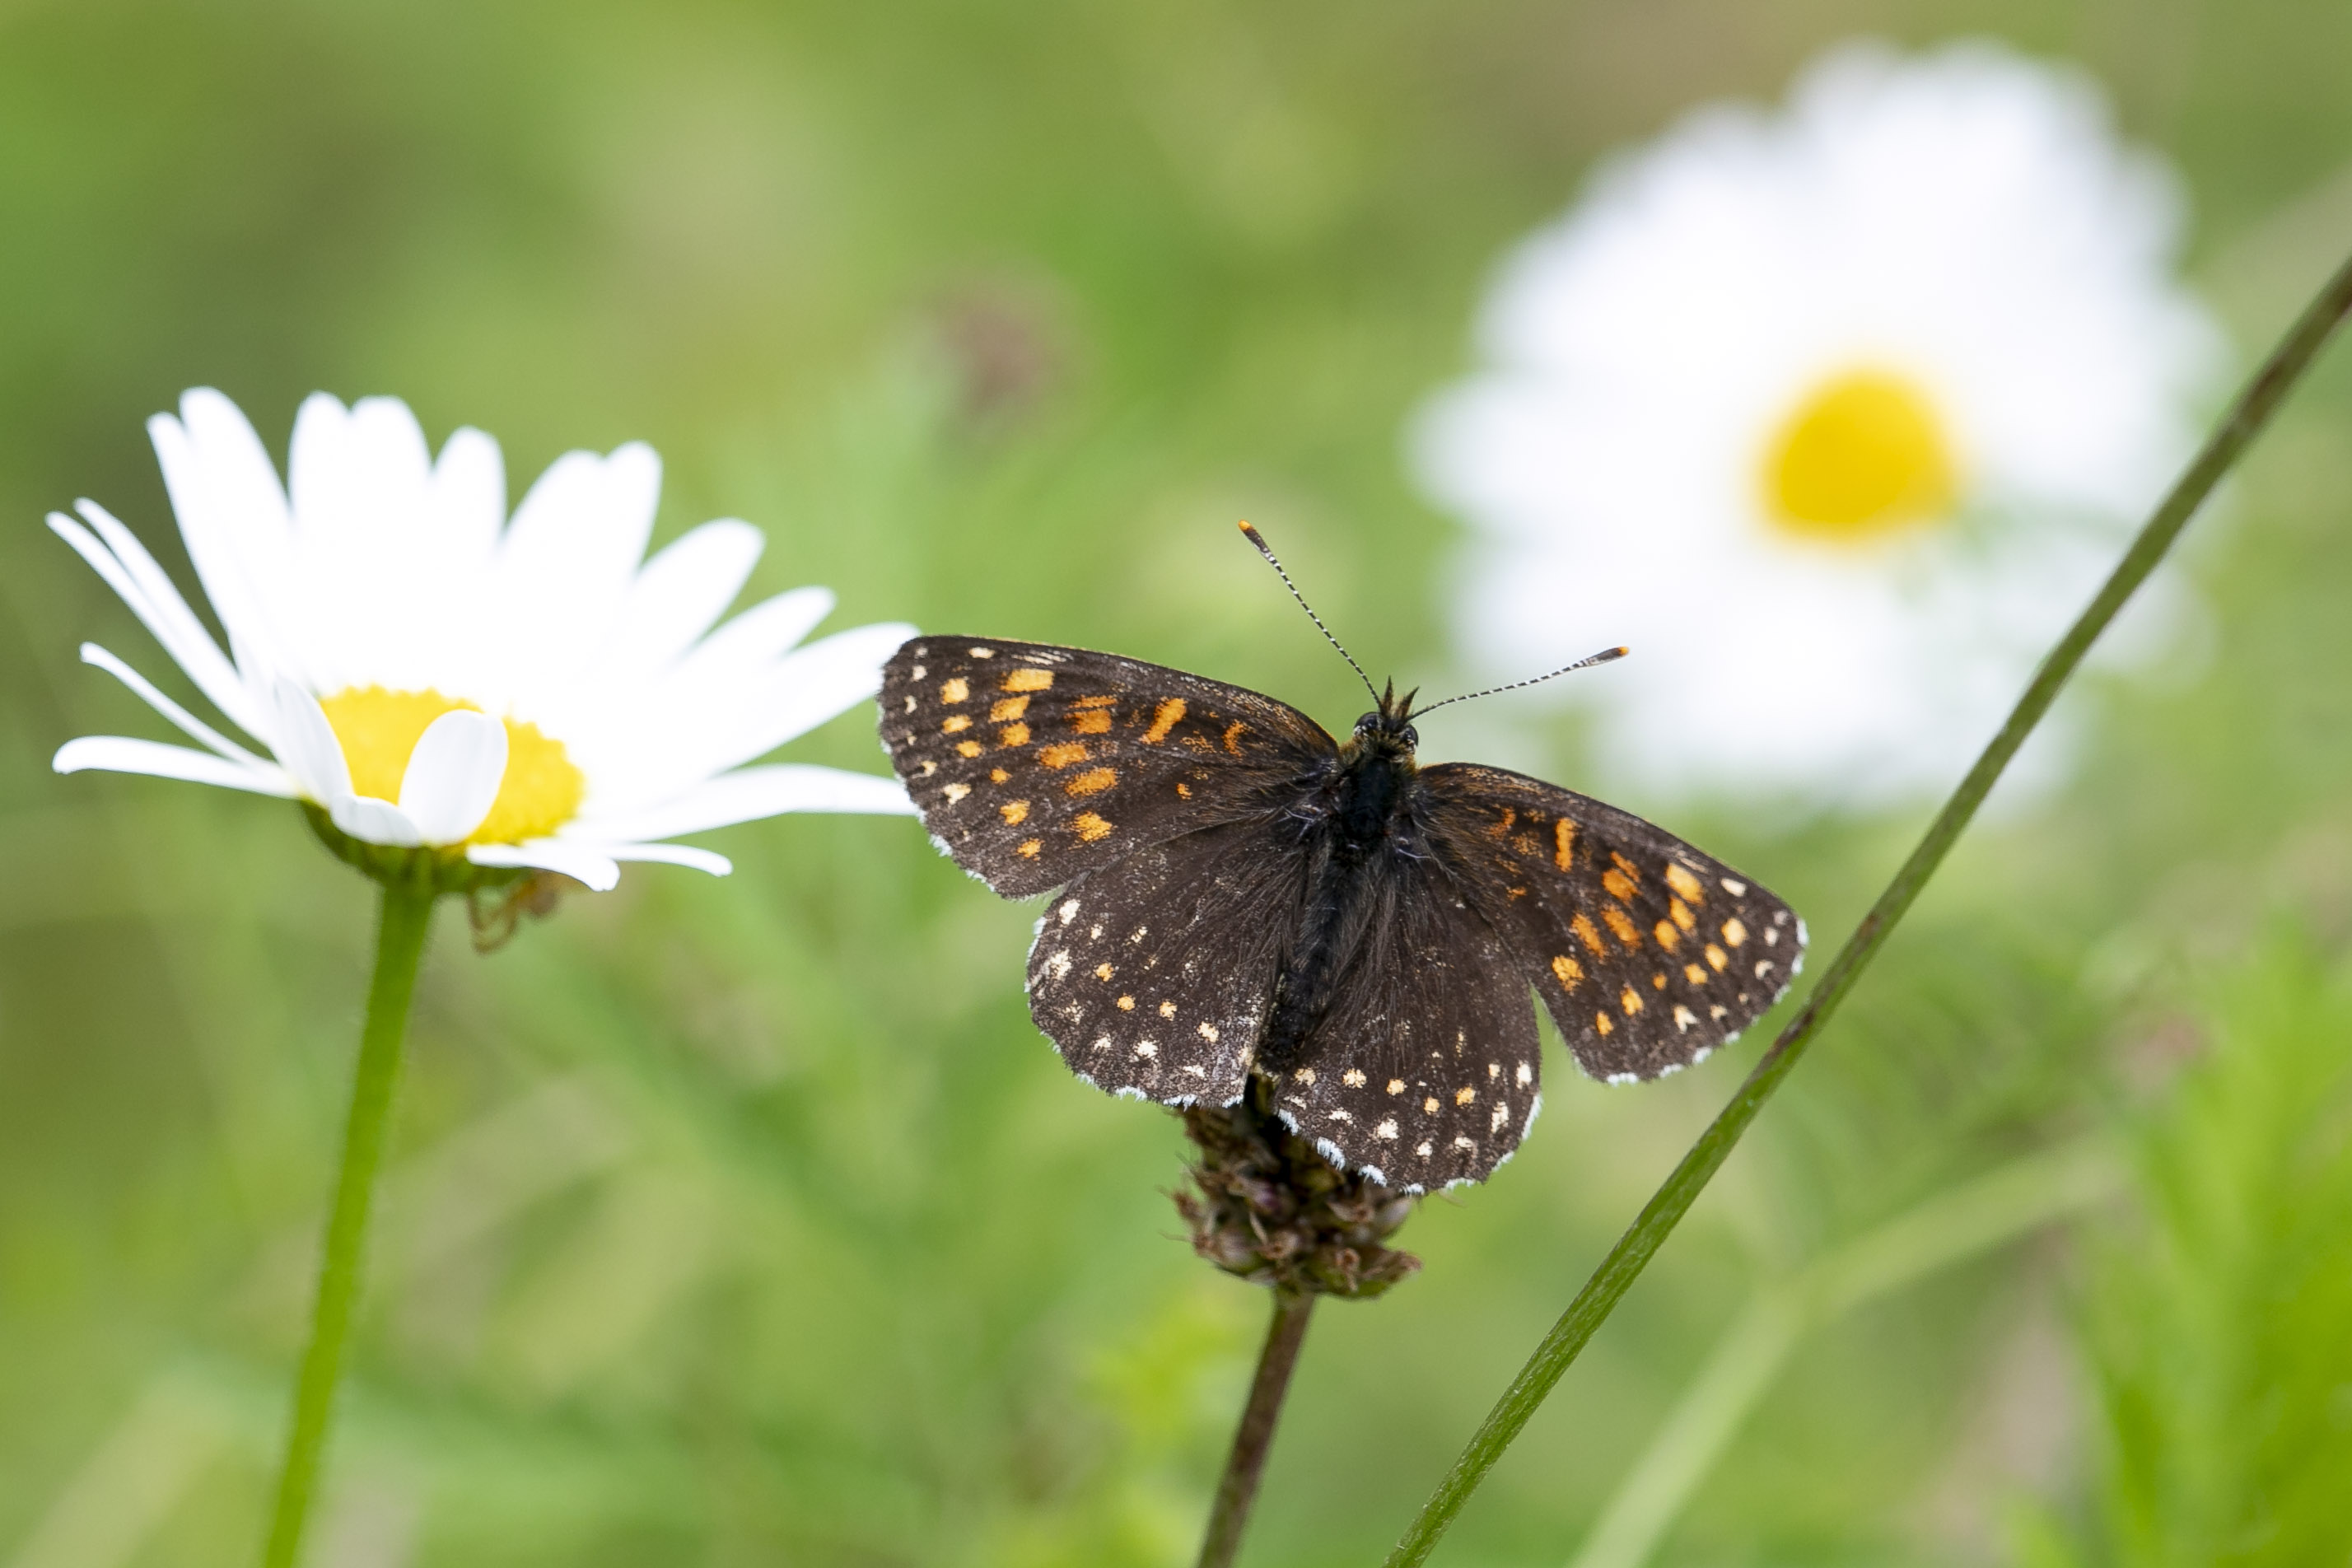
x: 2247, y: 415
x: 1230, y: 1515
x: 406, y: 915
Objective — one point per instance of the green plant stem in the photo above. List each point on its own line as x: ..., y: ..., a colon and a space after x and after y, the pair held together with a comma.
x: 1238, y: 1489
x: 2247, y: 415
x: 406, y: 916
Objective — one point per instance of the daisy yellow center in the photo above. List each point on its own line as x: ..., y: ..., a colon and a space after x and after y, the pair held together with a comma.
x: 1861, y: 455
x: 543, y: 788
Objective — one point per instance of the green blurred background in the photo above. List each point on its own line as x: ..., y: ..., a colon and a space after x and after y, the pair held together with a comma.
x: 751, y: 1222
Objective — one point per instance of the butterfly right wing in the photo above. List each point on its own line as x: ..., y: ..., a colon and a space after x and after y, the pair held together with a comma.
x: 1032, y: 765
x: 1649, y: 954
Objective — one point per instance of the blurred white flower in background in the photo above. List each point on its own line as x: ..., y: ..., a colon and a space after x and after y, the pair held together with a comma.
x: 431, y: 673
x: 1835, y: 414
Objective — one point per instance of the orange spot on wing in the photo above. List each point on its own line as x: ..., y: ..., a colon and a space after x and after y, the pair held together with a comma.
x: 954, y: 690
x: 1601, y: 1021
x: 1090, y: 828
x: 1012, y: 735
x: 1029, y: 847
x: 1624, y: 927
x: 998, y: 775
x: 1015, y: 812
x: 1094, y: 781
x: 1564, y: 836
x: 1503, y: 828
x: 1679, y: 879
x: 1666, y: 935
x: 1233, y: 732
x: 1625, y: 865
x: 1093, y: 721
x: 1164, y: 717
x: 1029, y: 680
x: 966, y: 747
x: 1679, y: 913
x: 1569, y: 971
x: 1619, y: 886
x: 1693, y: 973
x: 1586, y: 934
x: 1069, y: 754
x: 1630, y: 1000
x: 1103, y: 702
x: 956, y: 725
x: 1183, y: 790
x: 1008, y: 710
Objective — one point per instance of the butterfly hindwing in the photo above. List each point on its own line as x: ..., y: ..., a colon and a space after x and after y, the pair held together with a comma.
x: 1425, y: 1065
x: 1032, y: 765
x: 1152, y: 974
x: 1649, y: 954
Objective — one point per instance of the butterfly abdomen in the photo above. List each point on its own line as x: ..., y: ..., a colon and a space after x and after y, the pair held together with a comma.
x: 1364, y: 818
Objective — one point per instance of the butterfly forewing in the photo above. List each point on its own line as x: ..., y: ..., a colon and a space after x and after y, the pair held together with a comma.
x: 1649, y: 954
x: 1152, y: 974
x: 1032, y: 765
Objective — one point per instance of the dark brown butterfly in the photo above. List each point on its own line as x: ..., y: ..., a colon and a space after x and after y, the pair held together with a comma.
x: 1240, y: 893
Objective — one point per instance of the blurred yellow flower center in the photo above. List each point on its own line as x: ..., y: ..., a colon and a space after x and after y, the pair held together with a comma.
x: 1864, y: 454
x: 379, y: 729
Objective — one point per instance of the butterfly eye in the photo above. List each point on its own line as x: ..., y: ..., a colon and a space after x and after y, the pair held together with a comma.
x: 1368, y: 722
x: 1411, y: 737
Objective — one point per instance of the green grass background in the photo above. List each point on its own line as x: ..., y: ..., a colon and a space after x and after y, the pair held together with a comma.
x: 751, y: 1222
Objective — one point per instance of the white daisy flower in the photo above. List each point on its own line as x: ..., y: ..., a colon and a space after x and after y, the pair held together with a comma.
x: 430, y: 673
x: 1836, y: 416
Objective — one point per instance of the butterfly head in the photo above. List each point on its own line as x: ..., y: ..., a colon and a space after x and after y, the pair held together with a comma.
x: 1387, y: 728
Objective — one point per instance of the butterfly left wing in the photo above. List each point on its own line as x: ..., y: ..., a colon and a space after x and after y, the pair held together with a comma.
x: 1649, y: 954
x: 1033, y: 764
x: 1152, y: 976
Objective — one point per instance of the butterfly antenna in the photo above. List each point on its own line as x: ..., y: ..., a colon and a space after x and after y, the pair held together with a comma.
x: 1272, y: 559
x: 1606, y: 655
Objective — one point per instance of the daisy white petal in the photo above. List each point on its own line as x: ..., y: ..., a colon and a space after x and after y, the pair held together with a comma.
x: 583, y: 528
x: 123, y: 755
x: 359, y: 485
x: 1832, y: 414
x: 581, y: 862
x: 803, y: 690
x: 685, y: 855
x: 682, y: 592
x: 749, y: 645
x: 133, y: 573
x: 373, y: 821
x: 307, y: 745
x: 469, y: 501
x: 234, y: 519
x: 749, y: 793
x: 453, y: 775
x: 189, y: 724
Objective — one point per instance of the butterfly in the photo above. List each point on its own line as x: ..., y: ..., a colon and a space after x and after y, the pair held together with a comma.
x: 1239, y: 894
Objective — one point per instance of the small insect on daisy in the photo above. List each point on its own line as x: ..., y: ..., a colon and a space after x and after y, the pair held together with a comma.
x: 1242, y: 895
